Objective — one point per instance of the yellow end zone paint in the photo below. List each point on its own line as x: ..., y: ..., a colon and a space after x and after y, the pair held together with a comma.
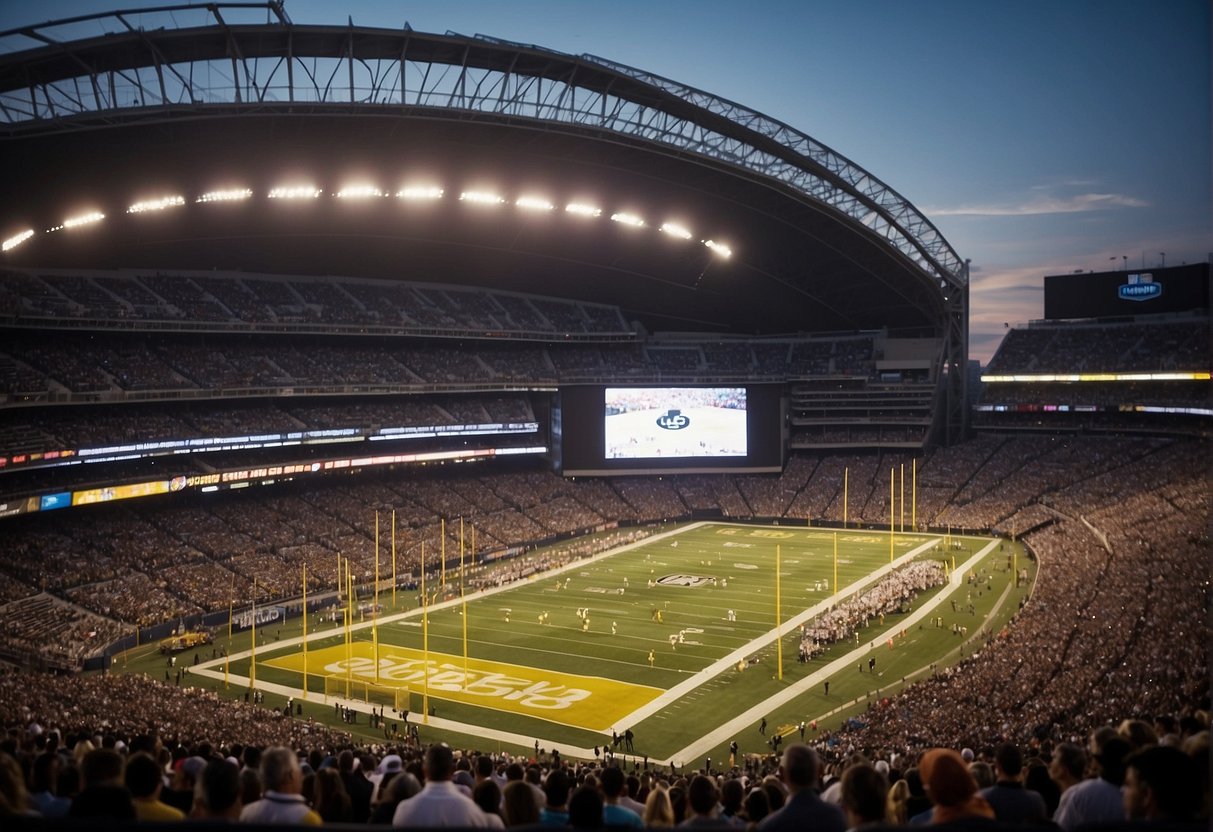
x: 589, y: 702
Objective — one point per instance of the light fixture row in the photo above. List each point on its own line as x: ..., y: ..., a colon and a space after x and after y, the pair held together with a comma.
x: 364, y: 191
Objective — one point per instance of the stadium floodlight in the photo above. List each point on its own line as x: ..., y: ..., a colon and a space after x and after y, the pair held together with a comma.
x: 82, y: 219
x: 628, y: 219
x: 17, y: 239
x: 359, y: 192
x: 534, y: 203
x: 420, y: 192
x: 676, y: 230
x: 234, y: 195
x: 155, y: 204
x: 582, y: 210
x: 481, y: 198
x: 720, y: 248
x: 296, y: 192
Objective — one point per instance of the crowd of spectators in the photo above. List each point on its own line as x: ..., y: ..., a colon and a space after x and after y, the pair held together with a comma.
x: 115, y: 366
x: 889, y: 595
x: 1165, y: 345
x: 129, y: 748
x: 267, y: 299
x: 1120, y: 527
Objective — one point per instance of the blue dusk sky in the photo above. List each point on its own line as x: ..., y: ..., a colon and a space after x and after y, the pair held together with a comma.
x: 1039, y: 136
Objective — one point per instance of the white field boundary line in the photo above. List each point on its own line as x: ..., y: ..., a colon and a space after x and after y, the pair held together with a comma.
x: 213, y: 668
x: 728, y: 730
x: 728, y: 662
x: 454, y: 602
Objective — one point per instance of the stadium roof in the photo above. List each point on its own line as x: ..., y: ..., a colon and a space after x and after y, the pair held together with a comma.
x: 97, y: 122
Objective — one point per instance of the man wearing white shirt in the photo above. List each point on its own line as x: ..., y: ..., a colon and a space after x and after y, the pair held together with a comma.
x: 440, y: 803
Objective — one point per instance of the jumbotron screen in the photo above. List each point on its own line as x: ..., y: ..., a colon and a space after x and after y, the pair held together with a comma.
x: 654, y: 429
x: 674, y: 422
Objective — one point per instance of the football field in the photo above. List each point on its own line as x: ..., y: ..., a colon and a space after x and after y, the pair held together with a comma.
x: 684, y: 638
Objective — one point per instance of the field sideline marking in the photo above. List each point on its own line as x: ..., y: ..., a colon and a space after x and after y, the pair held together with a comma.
x: 728, y: 662
x: 213, y: 668
x: 729, y: 729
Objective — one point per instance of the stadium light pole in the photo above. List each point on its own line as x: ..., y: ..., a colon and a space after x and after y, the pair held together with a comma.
x: 425, y: 644
x: 778, y: 616
x: 463, y: 602
x: 835, y: 563
x: 846, y: 475
x: 892, y: 508
x: 375, y: 610
x: 393, y: 560
x: 902, y: 505
x: 252, y: 677
x: 305, y: 630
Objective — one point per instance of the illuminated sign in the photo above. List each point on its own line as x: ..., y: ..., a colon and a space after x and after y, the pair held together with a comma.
x: 119, y: 492
x: 50, y: 502
x: 1139, y: 287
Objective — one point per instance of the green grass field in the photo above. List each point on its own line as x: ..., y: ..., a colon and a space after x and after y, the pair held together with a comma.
x: 536, y: 671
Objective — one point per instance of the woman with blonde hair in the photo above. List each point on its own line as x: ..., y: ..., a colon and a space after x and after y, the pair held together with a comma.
x: 658, y: 811
x: 895, y: 804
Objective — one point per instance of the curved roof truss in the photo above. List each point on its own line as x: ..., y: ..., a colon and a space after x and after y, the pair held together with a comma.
x: 136, y: 73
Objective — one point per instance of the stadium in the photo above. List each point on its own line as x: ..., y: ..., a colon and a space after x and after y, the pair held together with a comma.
x: 368, y: 389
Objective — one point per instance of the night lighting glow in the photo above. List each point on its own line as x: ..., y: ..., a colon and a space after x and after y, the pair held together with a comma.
x: 1105, y: 377
x: 82, y: 219
x: 155, y: 204
x: 296, y: 192
x: 534, y: 203
x: 628, y: 219
x: 582, y: 210
x: 721, y: 249
x: 676, y: 230
x: 17, y: 239
x: 481, y: 198
x: 420, y: 192
x: 359, y: 192
x: 234, y: 195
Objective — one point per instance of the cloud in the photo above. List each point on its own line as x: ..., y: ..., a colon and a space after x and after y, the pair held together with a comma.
x: 1076, y: 204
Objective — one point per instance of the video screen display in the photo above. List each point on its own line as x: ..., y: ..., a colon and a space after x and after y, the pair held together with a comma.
x: 638, y: 430
x: 674, y: 422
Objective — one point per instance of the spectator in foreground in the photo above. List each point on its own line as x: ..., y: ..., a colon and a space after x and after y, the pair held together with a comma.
x: 556, y: 795
x: 801, y: 773
x: 282, y: 801
x: 1097, y: 800
x: 102, y: 794
x: 143, y: 778
x: 1161, y: 785
x: 487, y: 795
x: 518, y: 804
x: 440, y: 802
x: 702, y: 797
x: 951, y: 787
x: 613, y: 813
x: 1011, y: 801
x: 585, y: 808
x: 217, y: 792
x: 864, y: 796
x: 658, y: 811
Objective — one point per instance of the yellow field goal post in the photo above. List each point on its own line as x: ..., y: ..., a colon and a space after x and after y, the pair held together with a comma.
x: 344, y: 687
